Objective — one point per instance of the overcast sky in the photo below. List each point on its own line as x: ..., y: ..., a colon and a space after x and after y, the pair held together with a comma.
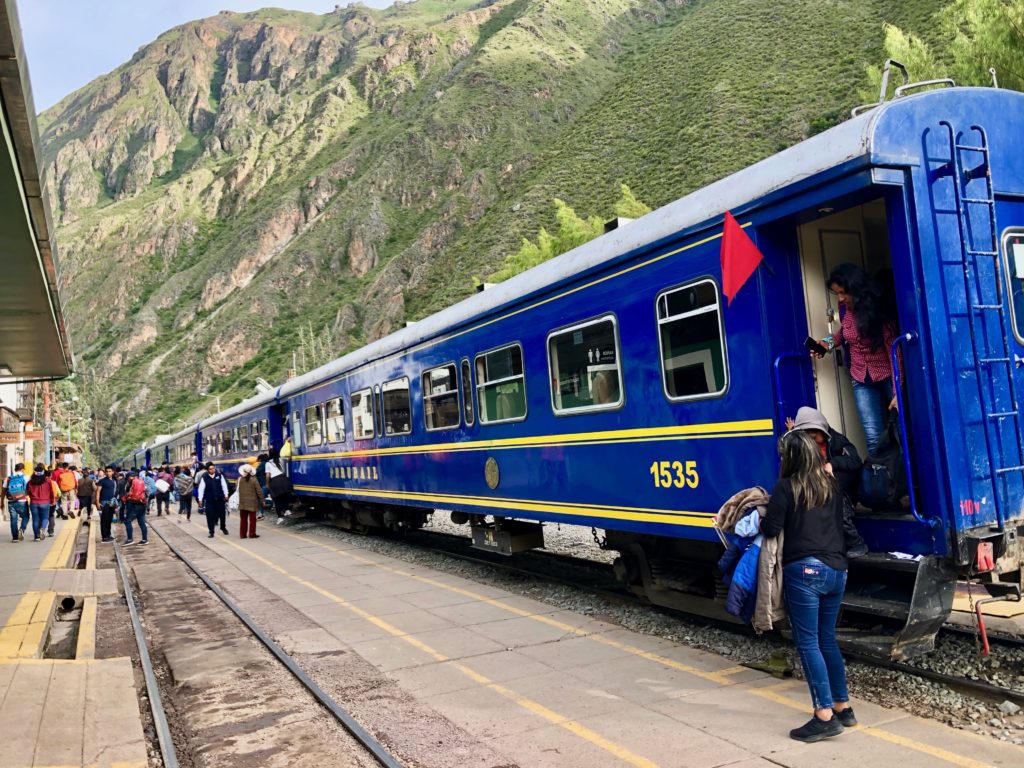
x: 70, y: 42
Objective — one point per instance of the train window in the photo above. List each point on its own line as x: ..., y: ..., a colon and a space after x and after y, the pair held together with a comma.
x: 256, y: 433
x: 691, y: 341
x: 264, y: 425
x: 441, y: 397
x: 501, y: 385
x: 586, y: 372
x: 296, y: 433
x: 467, y: 393
x: 335, y: 417
x: 397, y: 407
x: 362, y: 414
x: 314, y: 425
x: 243, y: 433
x: 1013, y: 256
x: 225, y: 441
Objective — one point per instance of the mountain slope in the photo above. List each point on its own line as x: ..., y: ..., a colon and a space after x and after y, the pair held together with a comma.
x: 249, y: 181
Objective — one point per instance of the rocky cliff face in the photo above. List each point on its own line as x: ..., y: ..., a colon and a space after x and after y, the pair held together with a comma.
x: 248, y: 176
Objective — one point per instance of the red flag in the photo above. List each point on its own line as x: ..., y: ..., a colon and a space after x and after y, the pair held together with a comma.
x: 740, y: 257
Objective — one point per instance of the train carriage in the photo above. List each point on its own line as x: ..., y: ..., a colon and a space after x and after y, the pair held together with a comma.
x: 615, y: 388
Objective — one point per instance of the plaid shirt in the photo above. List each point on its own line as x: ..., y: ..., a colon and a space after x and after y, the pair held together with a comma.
x: 864, y: 360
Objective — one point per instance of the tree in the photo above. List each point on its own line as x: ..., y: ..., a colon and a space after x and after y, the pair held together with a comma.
x: 573, y: 231
x: 978, y: 34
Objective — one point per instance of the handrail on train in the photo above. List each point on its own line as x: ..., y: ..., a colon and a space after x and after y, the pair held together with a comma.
x: 907, y: 338
x: 780, y: 404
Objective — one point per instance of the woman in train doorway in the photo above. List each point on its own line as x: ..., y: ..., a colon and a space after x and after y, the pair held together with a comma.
x: 806, y: 507
x: 867, y: 329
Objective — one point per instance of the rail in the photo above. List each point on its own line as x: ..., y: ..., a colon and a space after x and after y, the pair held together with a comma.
x: 156, y: 706
x: 363, y: 736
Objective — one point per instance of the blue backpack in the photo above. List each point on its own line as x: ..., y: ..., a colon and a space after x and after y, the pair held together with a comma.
x: 16, y: 486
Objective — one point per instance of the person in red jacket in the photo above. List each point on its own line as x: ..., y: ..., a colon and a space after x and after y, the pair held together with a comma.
x: 41, y: 498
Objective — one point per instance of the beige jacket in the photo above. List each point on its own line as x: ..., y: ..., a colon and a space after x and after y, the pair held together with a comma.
x: 768, y: 608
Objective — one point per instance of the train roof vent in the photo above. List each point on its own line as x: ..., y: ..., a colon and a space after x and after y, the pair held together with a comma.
x: 618, y: 221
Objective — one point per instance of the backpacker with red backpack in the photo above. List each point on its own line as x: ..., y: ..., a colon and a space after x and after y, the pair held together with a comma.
x: 136, y: 492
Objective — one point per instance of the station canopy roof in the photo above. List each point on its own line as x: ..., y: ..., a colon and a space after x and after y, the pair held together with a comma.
x: 33, y: 338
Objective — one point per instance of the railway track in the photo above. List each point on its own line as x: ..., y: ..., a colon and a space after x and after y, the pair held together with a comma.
x: 170, y: 759
x: 598, y: 579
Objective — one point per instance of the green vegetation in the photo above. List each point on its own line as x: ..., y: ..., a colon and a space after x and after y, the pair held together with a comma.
x: 354, y: 170
x: 572, y: 232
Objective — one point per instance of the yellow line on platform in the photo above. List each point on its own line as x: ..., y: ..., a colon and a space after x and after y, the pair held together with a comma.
x: 536, y: 708
x: 24, y: 634
x: 63, y: 546
x: 721, y: 677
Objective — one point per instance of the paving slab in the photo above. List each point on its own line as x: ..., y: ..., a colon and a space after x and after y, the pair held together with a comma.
x: 200, y: 661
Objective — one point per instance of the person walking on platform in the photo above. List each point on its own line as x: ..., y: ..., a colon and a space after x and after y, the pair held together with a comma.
x: 15, y: 493
x: 105, y: 495
x: 213, y: 498
x: 150, y: 481
x: 164, y: 483
x: 183, y: 484
x: 136, y: 501
x: 86, y: 491
x: 250, y: 501
x: 55, y: 504
x: 41, y: 499
x: 806, y: 507
x: 68, y: 483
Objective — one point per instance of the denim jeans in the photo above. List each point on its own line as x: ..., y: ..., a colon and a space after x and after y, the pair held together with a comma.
x: 40, y: 518
x: 872, y: 401
x: 19, y: 513
x: 814, y: 594
x: 135, y: 511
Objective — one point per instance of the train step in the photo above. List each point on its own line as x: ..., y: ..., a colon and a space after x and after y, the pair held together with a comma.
x: 893, y: 607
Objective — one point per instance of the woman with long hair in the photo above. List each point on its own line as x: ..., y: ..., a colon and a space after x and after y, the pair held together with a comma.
x: 868, y: 329
x: 806, y: 506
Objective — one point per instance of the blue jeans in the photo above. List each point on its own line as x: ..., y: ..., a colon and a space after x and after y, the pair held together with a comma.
x: 135, y: 511
x: 40, y: 518
x: 814, y: 594
x: 19, y: 512
x: 872, y: 401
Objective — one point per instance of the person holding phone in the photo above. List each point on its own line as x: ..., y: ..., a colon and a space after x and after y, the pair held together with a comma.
x: 868, y: 329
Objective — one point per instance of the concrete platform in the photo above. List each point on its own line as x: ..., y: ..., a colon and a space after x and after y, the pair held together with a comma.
x: 61, y: 712
x: 546, y: 687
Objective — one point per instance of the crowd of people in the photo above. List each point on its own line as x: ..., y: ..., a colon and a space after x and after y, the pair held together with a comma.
x: 127, y: 496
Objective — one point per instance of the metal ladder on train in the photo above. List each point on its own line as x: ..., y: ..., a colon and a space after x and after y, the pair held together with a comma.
x: 993, y: 361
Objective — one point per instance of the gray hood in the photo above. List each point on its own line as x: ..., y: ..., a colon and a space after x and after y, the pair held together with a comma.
x: 811, y: 418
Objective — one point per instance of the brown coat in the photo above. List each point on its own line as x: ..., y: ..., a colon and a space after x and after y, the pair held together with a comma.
x: 249, y: 494
x: 769, y: 608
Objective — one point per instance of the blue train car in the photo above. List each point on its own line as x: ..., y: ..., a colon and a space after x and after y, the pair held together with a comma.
x: 238, y: 435
x: 614, y: 388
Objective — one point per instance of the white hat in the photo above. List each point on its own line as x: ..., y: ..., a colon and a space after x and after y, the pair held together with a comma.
x: 246, y: 469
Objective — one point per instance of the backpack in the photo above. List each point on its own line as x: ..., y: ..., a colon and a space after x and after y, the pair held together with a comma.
x: 137, y: 491
x: 17, y: 486
x: 883, y: 478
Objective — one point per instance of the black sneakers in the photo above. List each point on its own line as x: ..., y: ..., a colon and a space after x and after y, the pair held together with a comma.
x: 816, y: 730
x: 846, y: 717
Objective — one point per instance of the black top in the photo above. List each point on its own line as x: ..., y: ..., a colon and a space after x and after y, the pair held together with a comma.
x: 108, y: 489
x: 817, y: 532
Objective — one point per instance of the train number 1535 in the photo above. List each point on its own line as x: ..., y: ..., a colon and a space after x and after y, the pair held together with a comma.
x: 675, y: 474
